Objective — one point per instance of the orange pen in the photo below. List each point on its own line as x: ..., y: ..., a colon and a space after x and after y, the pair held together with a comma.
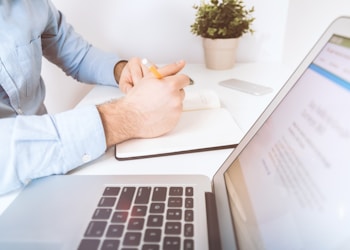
x: 152, y: 68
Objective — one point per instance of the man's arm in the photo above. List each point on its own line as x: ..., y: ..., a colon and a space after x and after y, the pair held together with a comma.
x: 37, y: 146
x: 74, y: 55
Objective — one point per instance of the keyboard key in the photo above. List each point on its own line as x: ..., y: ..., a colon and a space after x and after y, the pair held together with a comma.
x: 175, y: 202
x: 136, y: 223
x: 111, y: 191
x: 142, y: 195
x: 119, y: 217
x: 189, y: 203
x: 189, y: 191
x: 155, y: 221
x: 132, y: 239
x: 139, y: 211
x: 115, y: 230
x: 176, y: 191
x: 89, y: 244
x: 188, y: 244
x: 95, y: 229
x: 188, y: 215
x: 159, y: 194
x: 173, y: 228
x: 107, y: 202
x: 157, y: 208
x: 102, y: 214
x: 174, y: 214
x: 188, y: 230
x: 152, y: 235
x: 110, y: 244
x: 171, y: 243
x: 150, y: 247
x: 126, y: 198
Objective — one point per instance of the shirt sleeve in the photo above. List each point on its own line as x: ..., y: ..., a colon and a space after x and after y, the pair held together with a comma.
x: 73, y: 54
x: 48, y: 144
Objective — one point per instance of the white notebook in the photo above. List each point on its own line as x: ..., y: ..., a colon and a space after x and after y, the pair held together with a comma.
x: 204, y: 125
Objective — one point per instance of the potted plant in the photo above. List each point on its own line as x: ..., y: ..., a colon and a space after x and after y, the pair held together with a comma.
x: 221, y: 23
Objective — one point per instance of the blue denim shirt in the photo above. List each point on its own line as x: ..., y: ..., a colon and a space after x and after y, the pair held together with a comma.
x: 32, y: 143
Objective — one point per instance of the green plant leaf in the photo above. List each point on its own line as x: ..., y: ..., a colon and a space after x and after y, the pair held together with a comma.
x: 222, y: 19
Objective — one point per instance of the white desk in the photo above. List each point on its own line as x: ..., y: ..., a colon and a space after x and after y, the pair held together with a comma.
x: 244, y: 108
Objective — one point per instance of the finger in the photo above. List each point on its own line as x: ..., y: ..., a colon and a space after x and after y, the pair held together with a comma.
x: 180, y: 81
x: 182, y: 93
x: 171, y: 69
x: 136, y: 70
x: 127, y: 88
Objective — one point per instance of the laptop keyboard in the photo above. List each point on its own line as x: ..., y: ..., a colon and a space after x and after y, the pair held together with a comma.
x: 147, y: 218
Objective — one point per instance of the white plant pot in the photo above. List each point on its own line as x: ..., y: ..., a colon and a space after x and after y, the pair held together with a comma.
x: 220, y: 54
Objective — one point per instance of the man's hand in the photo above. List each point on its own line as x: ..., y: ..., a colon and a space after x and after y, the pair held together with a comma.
x: 151, y: 107
x: 134, y: 71
x: 126, y: 74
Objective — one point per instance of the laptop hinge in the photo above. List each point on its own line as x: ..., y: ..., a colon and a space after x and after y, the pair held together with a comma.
x: 213, y: 223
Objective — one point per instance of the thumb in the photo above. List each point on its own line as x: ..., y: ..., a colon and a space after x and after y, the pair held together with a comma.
x: 172, y: 69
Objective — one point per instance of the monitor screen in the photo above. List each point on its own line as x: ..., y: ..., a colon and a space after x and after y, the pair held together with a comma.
x: 288, y: 188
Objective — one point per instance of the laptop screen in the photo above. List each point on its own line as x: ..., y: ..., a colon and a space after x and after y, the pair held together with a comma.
x: 288, y: 188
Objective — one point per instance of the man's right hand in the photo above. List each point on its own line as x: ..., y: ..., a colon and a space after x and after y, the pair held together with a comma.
x: 151, y: 107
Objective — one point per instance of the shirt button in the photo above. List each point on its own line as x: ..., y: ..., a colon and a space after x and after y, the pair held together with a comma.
x: 86, y: 158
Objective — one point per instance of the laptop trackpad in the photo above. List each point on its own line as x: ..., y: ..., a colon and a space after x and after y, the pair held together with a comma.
x: 53, y: 213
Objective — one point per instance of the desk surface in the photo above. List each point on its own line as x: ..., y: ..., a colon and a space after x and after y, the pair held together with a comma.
x: 245, y: 109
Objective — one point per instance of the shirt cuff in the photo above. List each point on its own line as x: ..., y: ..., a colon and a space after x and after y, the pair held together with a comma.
x: 98, y: 67
x: 82, y: 141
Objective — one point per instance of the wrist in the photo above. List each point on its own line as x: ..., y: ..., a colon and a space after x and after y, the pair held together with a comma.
x: 118, y: 68
x: 118, y: 122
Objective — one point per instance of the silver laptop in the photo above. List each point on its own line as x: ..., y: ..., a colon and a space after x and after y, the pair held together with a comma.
x: 285, y: 186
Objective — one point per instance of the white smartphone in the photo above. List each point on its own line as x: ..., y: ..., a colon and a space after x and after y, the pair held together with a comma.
x: 247, y: 87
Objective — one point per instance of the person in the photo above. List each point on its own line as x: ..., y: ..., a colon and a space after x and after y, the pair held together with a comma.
x: 34, y: 143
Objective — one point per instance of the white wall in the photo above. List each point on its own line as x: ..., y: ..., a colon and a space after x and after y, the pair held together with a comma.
x: 159, y: 30
x: 307, y: 20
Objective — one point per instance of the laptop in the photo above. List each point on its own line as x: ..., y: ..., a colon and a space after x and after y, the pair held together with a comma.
x: 284, y: 187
